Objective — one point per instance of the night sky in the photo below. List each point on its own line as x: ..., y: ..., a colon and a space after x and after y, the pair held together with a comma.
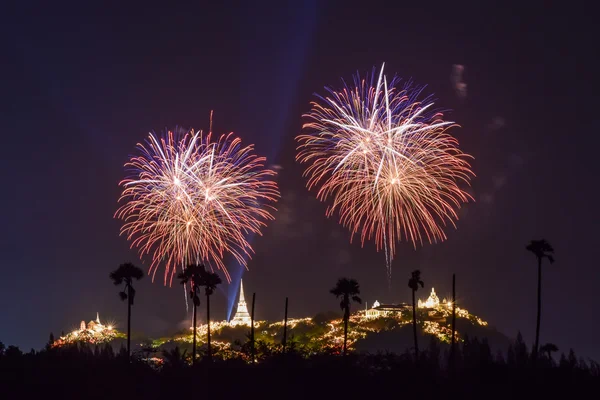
x: 81, y: 85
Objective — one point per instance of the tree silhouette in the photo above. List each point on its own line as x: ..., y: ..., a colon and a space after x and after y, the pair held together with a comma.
x: 193, y: 274
x: 413, y: 284
x: 174, y: 358
x: 347, y: 289
x: 50, y: 341
x: 126, y: 273
x: 453, y: 340
x: 209, y: 280
x: 285, y: 319
x: 541, y: 249
x: 549, y: 348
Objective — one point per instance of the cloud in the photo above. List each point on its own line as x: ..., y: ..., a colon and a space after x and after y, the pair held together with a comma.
x: 487, y: 198
x: 499, y: 181
x: 343, y: 257
x: 515, y: 160
x: 456, y: 77
x: 288, y: 224
x: 497, y: 123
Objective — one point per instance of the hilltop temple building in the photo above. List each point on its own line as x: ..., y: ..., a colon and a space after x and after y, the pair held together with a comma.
x: 93, y: 325
x: 93, y: 332
x: 242, y: 317
x: 432, y: 302
x: 389, y: 310
x: 385, y: 310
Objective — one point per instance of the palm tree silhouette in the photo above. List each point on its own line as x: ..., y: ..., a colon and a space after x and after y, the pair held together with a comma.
x: 209, y: 280
x: 541, y: 249
x: 413, y: 283
x: 192, y: 274
x: 174, y: 358
x: 126, y: 273
x: 346, y: 289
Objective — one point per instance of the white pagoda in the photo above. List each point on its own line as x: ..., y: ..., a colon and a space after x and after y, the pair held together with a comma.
x: 432, y: 302
x: 242, y: 317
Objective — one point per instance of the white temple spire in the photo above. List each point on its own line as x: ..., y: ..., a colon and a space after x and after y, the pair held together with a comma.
x: 242, y: 317
x: 242, y: 299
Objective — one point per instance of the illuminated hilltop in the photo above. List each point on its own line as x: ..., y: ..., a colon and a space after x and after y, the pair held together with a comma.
x: 94, y: 332
x: 382, y: 327
x: 324, y: 332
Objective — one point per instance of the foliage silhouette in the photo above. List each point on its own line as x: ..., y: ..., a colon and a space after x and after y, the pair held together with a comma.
x: 192, y: 274
x: 174, y: 358
x: 252, y: 336
x: 347, y: 289
x: 125, y: 274
x: 541, y: 249
x: 50, y: 341
x: 453, y: 326
x: 76, y: 370
x: 413, y: 284
x: 549, y: 348
x: 210, y: 281
x: 285, y: 320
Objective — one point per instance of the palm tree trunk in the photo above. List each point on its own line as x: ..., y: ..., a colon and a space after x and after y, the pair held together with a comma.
x: 208, y: 326
x: 284, y: 342
x: 194, y: 339
x: 253, y: 349
x: 539, y: 310
x: 453, y: 321
x: 415, y: 326
x: 346, y: 315
x: 129, y: 324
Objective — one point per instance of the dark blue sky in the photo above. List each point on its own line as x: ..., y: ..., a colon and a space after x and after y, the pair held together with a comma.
x: 81, y: 85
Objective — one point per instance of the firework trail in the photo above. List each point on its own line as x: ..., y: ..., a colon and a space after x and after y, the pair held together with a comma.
x: 385, y: 162
x: 191, y: 199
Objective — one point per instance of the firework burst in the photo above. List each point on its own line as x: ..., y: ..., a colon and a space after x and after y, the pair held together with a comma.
x: 191, y: 199
x: 386, y: 162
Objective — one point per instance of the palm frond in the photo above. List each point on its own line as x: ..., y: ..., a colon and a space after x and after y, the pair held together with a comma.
x: 192, y: 274
x: 415, y: 280
x: 125, y: 273
x: 542, y: 249
x: 346, y: 286
x: 209, y: 280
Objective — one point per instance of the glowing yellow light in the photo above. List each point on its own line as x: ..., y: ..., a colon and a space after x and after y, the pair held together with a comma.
x: 432, y: 302
x: 94, y: 332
